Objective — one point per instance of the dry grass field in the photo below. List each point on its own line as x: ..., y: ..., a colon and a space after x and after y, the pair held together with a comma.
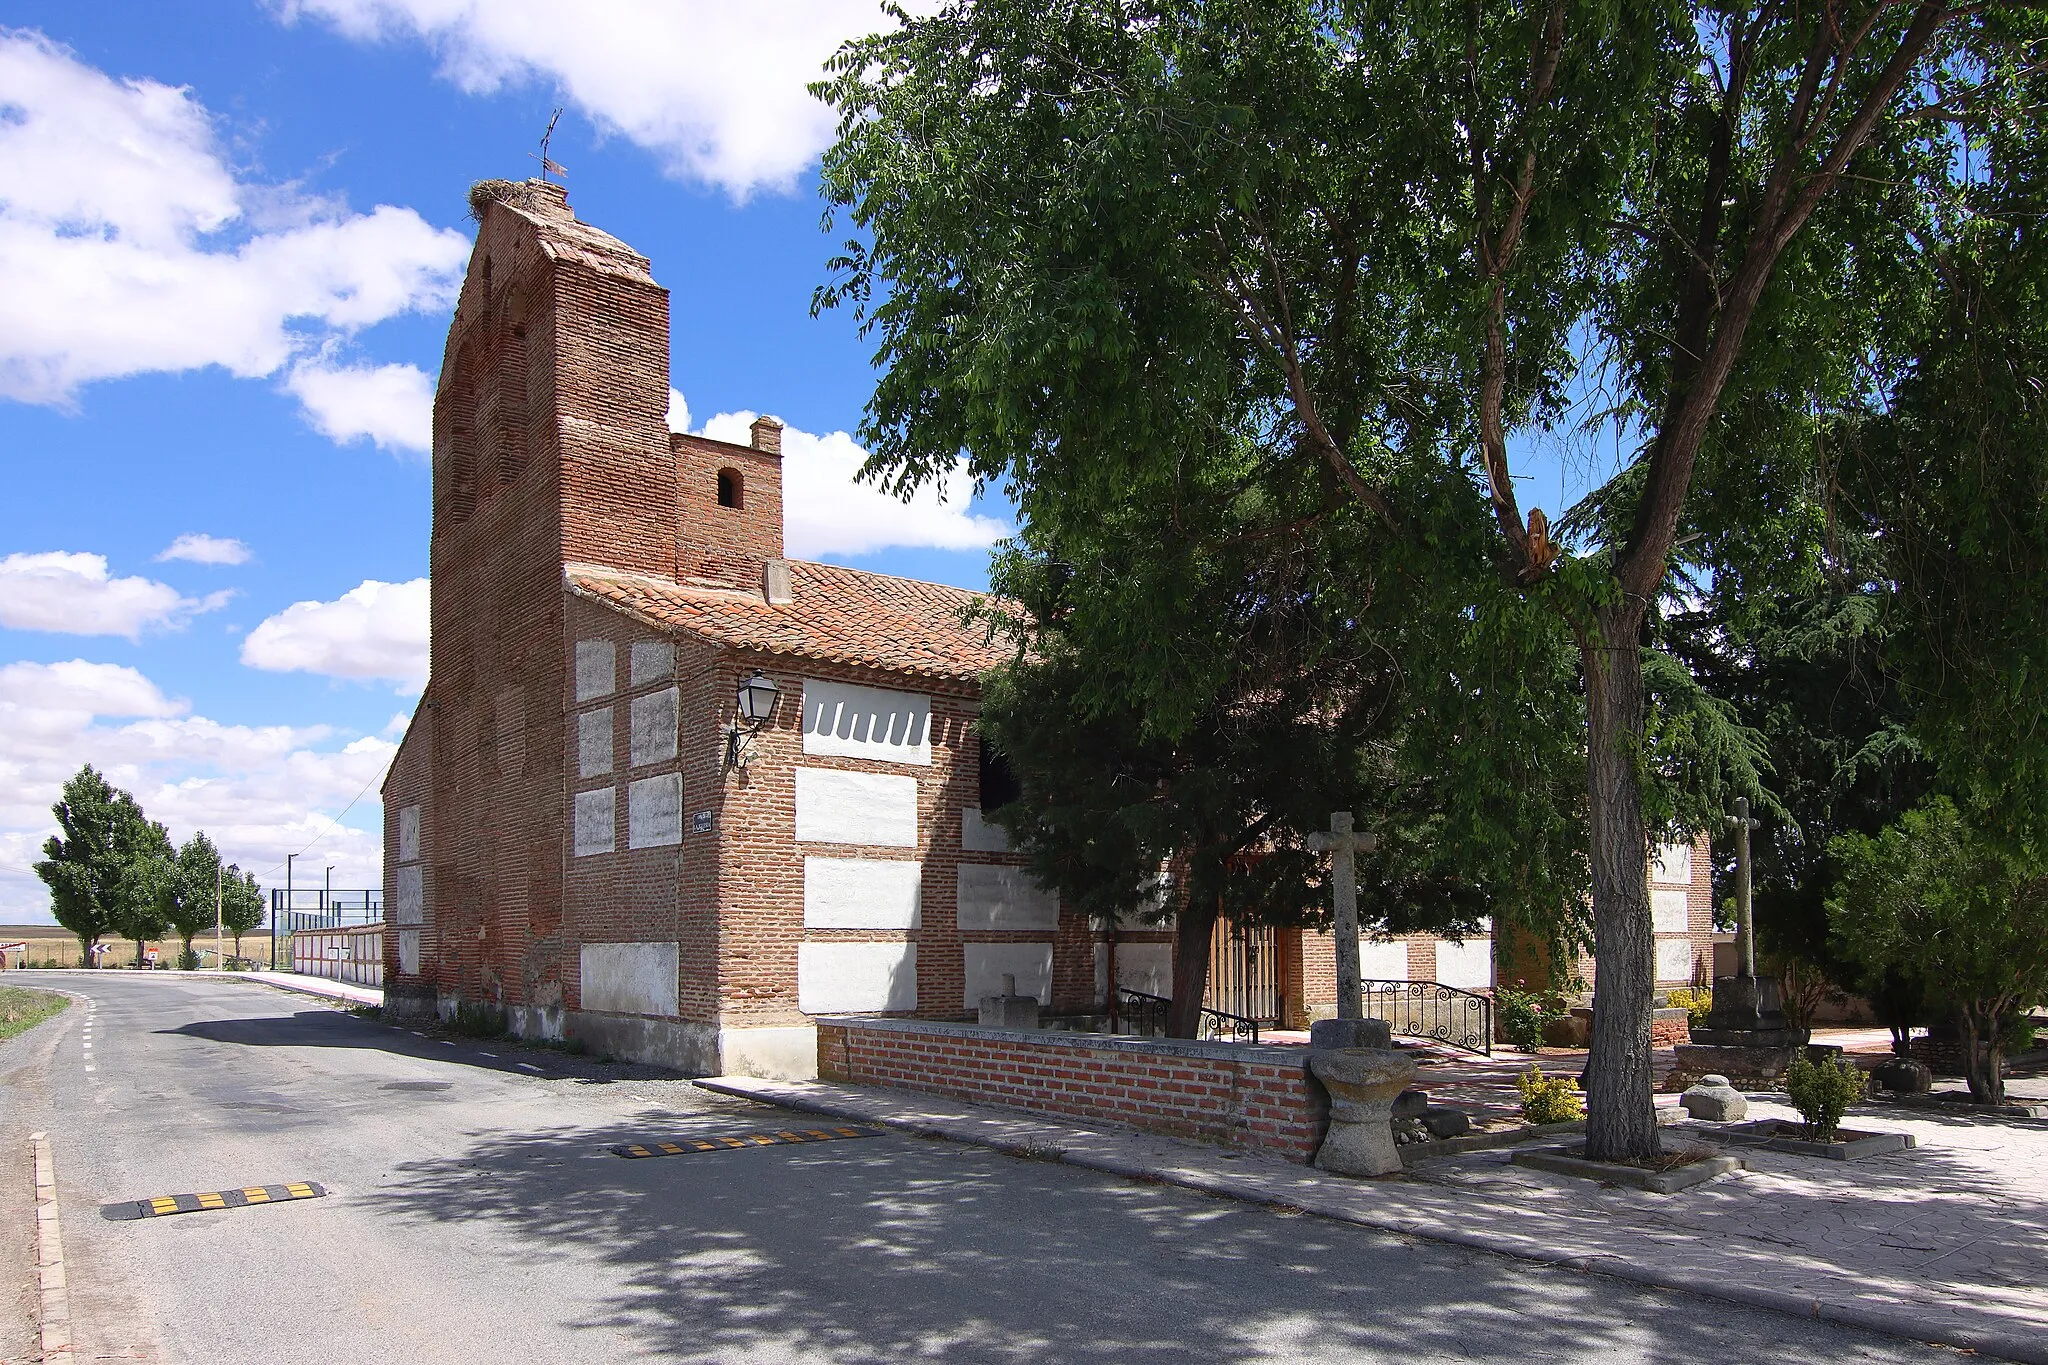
x: 51, y: 946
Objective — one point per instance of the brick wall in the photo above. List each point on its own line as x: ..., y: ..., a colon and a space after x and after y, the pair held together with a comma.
x: 1256, y: 1098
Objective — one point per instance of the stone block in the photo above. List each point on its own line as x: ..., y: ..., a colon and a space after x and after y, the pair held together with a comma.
x: 1446, y: 1121
x: 1411, y: 1104
x: 1350, y: 1033
x: 1904, y: 1076
x: 1007, y: 1009
x: 1715, y: 1101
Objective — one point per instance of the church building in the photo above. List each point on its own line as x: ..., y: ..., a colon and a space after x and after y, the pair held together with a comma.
x: 668, y: 791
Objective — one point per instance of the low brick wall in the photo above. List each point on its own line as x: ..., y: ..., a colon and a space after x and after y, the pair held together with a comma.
x: 1259, y: 1098
x: 1669, y: 1027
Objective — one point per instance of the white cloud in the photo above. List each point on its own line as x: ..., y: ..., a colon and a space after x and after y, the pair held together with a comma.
x: 825, y: 511
x: 716, y: 89
x: 196, y: 547
x: 373, y: 631
x: 129, y: 246
x: 393, y: 405
x: 259, y: 791
x: 75, y: 595
x: 678, y: 411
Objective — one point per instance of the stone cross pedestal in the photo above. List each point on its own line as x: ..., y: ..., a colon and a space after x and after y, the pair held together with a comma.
x: 1363, y: 1084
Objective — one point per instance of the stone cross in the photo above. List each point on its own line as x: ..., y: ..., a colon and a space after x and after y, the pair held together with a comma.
x: 1341, y: 844
x: 1745, y: 937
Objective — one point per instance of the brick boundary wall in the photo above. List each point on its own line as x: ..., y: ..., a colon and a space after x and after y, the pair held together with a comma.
x: 1238, y: 1095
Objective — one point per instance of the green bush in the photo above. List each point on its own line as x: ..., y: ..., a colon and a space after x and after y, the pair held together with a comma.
x: 1822, y: 1093
x: 1695, y: 1002
x: 1548, y: 1099
x: 1523, y: 1015
x: 476, y: 1020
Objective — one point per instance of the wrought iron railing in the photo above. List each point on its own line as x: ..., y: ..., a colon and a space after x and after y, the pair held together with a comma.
x: 1145, y: 1015
x: 1430, y: 1009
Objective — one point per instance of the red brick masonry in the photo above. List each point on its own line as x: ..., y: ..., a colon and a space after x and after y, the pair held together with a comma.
x: 1261, y: 1098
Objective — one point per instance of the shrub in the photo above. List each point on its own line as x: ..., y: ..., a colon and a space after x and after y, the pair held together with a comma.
x: 474, y: 1020
x: 1548, y: 1099
x: 1822, y: 1093
x: 1523, y: 1016
x: 1695, y: 1002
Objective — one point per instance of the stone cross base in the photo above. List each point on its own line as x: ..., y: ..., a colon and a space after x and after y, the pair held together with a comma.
x: 1363, y: 1084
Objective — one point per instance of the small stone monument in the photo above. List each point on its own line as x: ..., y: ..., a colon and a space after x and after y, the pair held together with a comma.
x: 1009, y: 1010
x: 1351, y: 1055
x: 1715, y: 1100
x: 1747, y: 1034
x: 1904, y: 1076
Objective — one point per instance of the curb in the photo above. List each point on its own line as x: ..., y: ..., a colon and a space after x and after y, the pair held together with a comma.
x: 1909, y: 1324
x: 54, y: 1302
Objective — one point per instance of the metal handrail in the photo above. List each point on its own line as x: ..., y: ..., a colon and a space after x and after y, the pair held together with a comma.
x: 1151, y: 1009
x: 1429, y: 1009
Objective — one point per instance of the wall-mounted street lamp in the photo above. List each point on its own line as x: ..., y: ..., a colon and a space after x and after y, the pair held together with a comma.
x: 756, y: 707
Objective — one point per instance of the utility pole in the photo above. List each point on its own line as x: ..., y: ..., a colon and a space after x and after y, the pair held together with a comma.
x: 327, y: 898
x: 276, y: 914
x: 219, y: 962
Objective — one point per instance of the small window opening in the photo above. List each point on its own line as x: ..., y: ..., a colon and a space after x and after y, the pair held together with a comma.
x: 999, y: 785
x: 730, y: 489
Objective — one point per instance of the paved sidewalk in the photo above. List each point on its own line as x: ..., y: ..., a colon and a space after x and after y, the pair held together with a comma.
x: 1947, y: 1243
x: 285, y: 981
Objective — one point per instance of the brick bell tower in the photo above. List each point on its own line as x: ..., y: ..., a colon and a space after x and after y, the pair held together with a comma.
x: 551, y: 446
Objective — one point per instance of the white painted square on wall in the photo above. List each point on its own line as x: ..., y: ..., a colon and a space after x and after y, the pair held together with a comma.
x: 408, y: 834
x: 596, y: 669
x: 653, y: 727
x: 978, y: 835
x: 654, y: 811
x: 596, y: 821
x: 835, y: 807
x: 1669, y: 913
x: 1382, y: 961
x: 594, y: 742
x: 1674, y: 959
x: 846, y: 721
x: 652, y: 660
x: 408, y: 885
x: 856, y: 978
x: 1467, y: 965
x: 863, y: 893
x: 409, y: 951
x: 984, y: 965
x: 630, y: 978
x: 1673, y: 864
x: 1146, y: 967
x: 993, y: 896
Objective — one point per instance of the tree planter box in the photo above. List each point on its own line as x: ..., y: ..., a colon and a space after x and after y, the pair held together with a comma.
x: 1779, y: 1135
x: 1563, y: 1161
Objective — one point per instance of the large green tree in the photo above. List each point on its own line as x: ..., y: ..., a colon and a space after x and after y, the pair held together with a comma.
x: 241, y: 908
x: 196, y: 877
x: 88, y: 864
x: 1374, y: 239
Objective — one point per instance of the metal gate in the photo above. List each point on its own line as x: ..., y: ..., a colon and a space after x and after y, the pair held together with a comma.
x: 1244, y: 973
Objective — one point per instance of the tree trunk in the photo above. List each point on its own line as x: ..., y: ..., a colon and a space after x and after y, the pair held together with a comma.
x: 85, y: 942
x: 1984, y: 1054
x: 1621, y: 1116
x: 1195, y: 925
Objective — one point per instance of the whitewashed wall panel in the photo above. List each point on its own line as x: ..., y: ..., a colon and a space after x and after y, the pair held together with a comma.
x: 596, y: 669
x: 981, y: 836
x: 1668, y: 910
x: 1673, y: 864
x: 835, y: 807
x: 409, y: 951
x: 845, y: 721
x: 594, y: 742
x: 1674, y: 959
x: 1467, y: 965
x: 596, y: 822
x: 654, y: 811
x: 863, y: 893
x: 408, y: 834
x: 1379, y: 961
x: 411, y: 895
x: 1146, y: 967
x: 991, y: 896
x: 630, y: 978
x: 653, y: 727
x: 856, y: 978
x: 653, y: 660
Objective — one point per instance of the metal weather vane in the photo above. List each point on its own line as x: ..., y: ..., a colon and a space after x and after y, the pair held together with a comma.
x: 547, y: 165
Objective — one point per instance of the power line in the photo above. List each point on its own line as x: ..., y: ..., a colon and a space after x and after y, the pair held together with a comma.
x: 331, y: 826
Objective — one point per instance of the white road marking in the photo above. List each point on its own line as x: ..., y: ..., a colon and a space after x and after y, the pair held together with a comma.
x: 528, y: 1066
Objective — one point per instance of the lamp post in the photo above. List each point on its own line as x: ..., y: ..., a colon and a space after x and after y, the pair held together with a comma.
x: 276, y: 914
x: 327, y: 898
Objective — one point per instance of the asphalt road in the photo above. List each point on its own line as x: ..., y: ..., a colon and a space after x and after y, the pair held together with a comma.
x: 476, y: 1215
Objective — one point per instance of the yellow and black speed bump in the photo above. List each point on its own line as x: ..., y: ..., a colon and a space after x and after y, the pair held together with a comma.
x: 691, y: 1146
x: 165, y: 1204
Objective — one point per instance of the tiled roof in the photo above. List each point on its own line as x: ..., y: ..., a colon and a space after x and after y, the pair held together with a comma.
x: 839, y: 615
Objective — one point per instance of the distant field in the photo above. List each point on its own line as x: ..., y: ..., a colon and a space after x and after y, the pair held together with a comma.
x: 51, y: 946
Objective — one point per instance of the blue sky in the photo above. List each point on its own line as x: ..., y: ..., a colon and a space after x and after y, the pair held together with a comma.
x: 222, y: 326
x: 229, y: 235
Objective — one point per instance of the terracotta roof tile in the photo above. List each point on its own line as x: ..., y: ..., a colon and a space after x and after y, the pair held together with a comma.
x: 839, y: 615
